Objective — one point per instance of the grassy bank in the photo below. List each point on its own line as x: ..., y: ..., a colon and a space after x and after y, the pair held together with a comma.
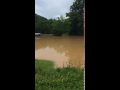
x: 48, y: 78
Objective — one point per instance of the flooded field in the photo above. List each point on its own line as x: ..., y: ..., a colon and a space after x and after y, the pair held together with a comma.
x: 60, y: 49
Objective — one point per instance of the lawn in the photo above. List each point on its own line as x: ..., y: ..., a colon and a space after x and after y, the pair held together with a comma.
x: 49, y: 78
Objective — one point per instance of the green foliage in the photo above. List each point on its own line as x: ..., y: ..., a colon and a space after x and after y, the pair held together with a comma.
x: 48, y: 78
x: 58, y: 26
x: 76, y: 18
x: 73, y: 25
x: 42, y: 24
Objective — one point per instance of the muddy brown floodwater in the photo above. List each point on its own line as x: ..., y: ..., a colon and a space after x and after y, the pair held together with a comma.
x: 62, y: 50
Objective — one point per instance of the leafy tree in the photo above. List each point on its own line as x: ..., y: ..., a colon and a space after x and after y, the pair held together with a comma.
x: 76, y: 18
x: 41, y: 24
x: 60, y: 26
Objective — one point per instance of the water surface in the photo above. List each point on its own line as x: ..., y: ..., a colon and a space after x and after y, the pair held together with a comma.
x: 60, y: 49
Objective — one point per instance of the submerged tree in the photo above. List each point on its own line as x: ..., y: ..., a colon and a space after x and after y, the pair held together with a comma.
x: 76, y: 18
x: 60, y: 26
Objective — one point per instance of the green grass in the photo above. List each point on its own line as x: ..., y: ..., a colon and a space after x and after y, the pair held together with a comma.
x: 48, y: 78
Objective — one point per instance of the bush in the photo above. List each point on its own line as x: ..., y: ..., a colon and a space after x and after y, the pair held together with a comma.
x: 57, y: 32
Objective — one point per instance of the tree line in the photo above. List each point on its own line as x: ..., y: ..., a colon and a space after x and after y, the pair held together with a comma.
x: 72, y: 25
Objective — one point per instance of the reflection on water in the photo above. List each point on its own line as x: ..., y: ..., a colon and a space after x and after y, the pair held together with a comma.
x: 61, y: 50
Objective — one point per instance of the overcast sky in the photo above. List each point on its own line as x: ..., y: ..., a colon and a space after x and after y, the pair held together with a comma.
x: 52, y: 8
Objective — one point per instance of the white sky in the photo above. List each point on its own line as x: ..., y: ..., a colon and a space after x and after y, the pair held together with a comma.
x: 52, y: 8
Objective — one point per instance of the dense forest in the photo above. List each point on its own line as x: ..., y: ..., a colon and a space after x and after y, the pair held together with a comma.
x: 72, y: 25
